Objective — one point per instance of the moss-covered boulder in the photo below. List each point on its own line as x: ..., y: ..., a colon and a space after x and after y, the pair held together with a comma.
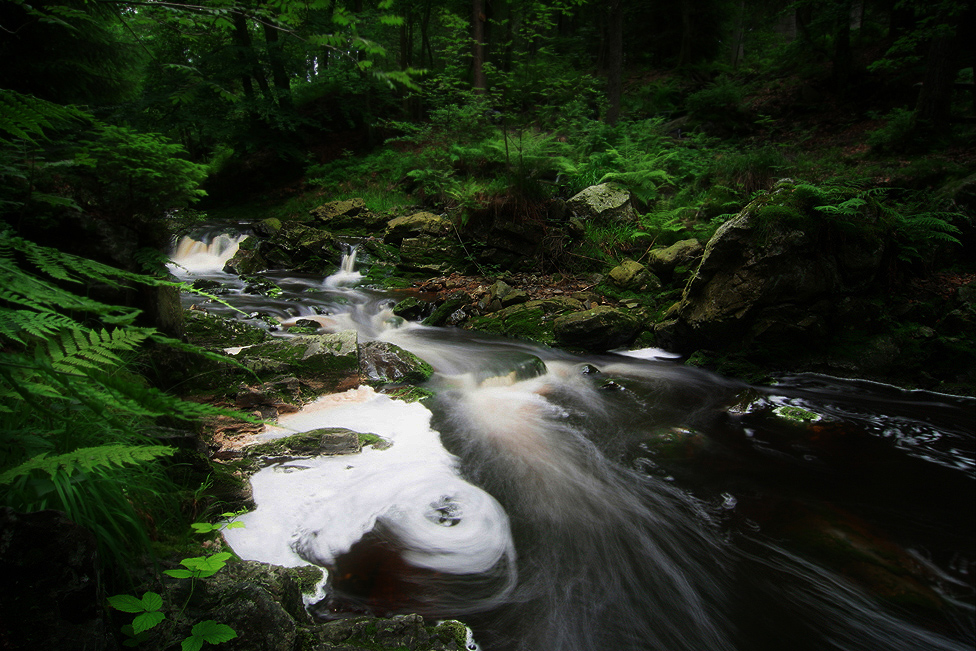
x: 600, y: 328
x: 328, y: 362
x: 348, y: 215
x: 532, y: 320
x: 451, y: 311
x: 676, y: 262
x: 606, y: 203
x: 431, y: 254
x: 421, y: 223
x: 776, y: 274
x: 632, y: 276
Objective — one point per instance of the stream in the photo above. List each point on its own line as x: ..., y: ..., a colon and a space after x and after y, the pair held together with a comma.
x: 562, y: 502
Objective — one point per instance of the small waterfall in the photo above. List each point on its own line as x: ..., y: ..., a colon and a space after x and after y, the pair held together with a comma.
x: 207, y: 255
x: 347, y: 274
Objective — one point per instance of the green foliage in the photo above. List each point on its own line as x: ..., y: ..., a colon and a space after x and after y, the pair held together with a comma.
x: 122, y: 172
x: 76, y: 418
x: 148, y: 609
x: 719, y: 101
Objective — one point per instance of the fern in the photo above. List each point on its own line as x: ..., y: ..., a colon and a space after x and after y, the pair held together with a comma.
x: 27, y: 118
x: 87, y: 459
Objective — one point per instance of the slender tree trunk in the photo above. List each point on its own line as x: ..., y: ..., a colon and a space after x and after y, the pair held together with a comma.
x: 615, y: 60
x: 278, y: 73
x: 242, y: 41
x: 843, y: 59
x: 424, y: 38
x: 478, y: 81
x: 932, y: 110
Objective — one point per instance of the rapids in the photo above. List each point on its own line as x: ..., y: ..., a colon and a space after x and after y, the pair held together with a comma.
x: 558, y: 502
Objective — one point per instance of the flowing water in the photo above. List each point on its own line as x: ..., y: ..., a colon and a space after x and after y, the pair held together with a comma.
x: 622, y: 501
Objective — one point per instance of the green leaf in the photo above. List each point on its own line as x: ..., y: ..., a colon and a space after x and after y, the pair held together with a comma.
x: 146, y: 621
x: 126, y: 603
x: 152, y: 601
x: 192, y: 643
x: 212, y: 632
x: 179, y: 574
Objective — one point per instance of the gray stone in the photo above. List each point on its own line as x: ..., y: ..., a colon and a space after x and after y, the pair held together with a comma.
x: 385, y: 363
x: 668, y: 262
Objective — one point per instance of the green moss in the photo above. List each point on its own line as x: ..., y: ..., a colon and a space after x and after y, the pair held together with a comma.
x: 797, y: 414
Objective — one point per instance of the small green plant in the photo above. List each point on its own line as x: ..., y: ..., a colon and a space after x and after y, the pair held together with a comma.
x: 148, y: 609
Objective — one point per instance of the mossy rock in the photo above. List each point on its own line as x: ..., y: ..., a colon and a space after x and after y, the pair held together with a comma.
x: 329, y: 362
x: 599, y: 328
x: 318, y: 442
x: 532, y: 320
x: 213, y: 332
x: 443, y: 313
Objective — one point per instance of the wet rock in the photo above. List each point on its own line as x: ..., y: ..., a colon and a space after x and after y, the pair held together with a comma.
x: 348, y: 215
x: 410, y: 309
x: 52, y: 596
x: 408, y: 632
x: 381, y: 362
x: 599, y: 328
x: 506, y: 295
x: 245, y: 262
x: 633, y: 276
x: 433, y: 254
x: 322, y: 441
x: 444, y: 314
x: 603, y: 204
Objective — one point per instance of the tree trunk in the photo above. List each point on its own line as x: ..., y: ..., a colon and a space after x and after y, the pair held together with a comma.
x: 843, y: 60
x: 478, y: 81
x: 247, y: 57
x: 931, y: 117
x: 615, y: 60
x: 278, y: 74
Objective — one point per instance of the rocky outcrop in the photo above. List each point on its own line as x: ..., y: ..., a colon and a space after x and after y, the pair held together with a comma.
x: 606, y: 203
x: 531, y: 320
x: 773, y: 283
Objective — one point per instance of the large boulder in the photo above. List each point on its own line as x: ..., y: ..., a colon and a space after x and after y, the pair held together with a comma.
x: 606, y: 203
x: 773, y: 282
x: 330, y: 361
x: 381, y: 362
x: 600, y: 328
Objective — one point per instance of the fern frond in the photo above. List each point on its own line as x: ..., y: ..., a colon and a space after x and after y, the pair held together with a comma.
x: 25, y: 117
x: 87, y: 459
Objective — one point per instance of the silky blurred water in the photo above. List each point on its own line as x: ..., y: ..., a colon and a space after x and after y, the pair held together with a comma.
x: 623, y: 501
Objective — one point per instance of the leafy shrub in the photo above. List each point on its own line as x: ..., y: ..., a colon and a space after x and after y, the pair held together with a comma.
x: 717, y: 101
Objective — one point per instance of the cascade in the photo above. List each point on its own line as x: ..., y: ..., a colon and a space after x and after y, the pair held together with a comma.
x: 526, y: 499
